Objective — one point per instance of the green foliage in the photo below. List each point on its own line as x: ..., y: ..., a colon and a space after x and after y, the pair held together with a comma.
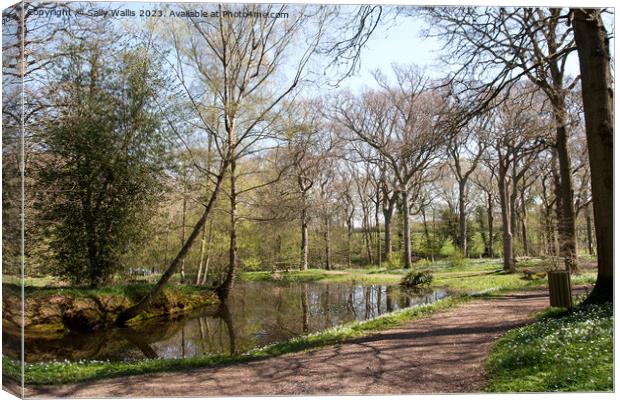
x: 105, y: 154
x: 458, y: 260
x: 564, y: 351
x: 417, y: 279
x: 252, y: 264
x: 476, y: 245
x: 447, y: 249
x: 395, y: 261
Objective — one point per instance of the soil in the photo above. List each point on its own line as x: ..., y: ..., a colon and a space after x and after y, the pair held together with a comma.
x: 444, y: 353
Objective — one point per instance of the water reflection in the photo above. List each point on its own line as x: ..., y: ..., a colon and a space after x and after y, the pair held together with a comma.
x: 256, y: 314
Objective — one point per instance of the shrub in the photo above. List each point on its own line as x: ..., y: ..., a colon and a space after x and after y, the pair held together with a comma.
x: 457, y: 260
x: 416, y: 279
x: 394, y: 261
x: 252, y: 264
x: 447, y: 249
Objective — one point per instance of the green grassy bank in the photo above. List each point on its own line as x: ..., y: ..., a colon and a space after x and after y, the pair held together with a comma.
x: 471, y: 277
x: 561, y: 352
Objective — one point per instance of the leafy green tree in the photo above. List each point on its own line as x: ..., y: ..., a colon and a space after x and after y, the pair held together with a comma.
x: 105, y: 155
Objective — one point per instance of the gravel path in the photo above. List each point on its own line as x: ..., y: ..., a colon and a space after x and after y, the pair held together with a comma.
x: 441, y: 354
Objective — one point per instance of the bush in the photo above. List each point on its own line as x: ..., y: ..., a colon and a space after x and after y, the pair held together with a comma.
x: 394, y: 261
x: 252, y: 264
x: 416, y: 279
x: 447, y: 249
x: 458, y: 260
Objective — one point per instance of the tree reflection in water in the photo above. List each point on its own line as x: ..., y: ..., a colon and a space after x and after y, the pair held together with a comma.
x: 255, y: 314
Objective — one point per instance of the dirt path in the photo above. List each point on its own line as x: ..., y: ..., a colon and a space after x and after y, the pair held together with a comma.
x: 440, y: 354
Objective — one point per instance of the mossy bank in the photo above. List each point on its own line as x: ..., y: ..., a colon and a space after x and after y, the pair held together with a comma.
x: 49, y: 311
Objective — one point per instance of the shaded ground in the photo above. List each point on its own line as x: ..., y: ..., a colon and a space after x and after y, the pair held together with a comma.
x: 440, y: 354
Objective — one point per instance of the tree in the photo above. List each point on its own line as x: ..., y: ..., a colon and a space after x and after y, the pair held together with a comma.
x: 465, y: 148
x: 105, y: 157
x: 235, y: 60
x: 400, y: 123
x: 485, y: 180
x: 494, y: 47
x: 515, y: 144
x: 592, y: 43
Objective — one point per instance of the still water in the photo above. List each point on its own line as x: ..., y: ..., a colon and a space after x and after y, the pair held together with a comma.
x: 256, y: 314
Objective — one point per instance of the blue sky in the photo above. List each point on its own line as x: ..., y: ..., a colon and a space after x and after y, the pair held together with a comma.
x: 399, y: 42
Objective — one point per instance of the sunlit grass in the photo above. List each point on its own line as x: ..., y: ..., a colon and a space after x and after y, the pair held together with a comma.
x: 563, y: 351
x: 478, y: 275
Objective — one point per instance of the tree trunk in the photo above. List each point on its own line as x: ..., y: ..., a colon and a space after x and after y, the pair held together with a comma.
x: 566, y: 223
x: 491, y: 234
x: 224, y: 289
x: 367, y: 236
x: 512, y: 209
x: 597, y: 91
x: 406, y: 230
x: 589, y: 232
x: 427, y: 234
x: 205, y: 273
x: 509, y: 265
x: 304, y: 239
x: 349, y: 237
x: 462, y: 219
x: 182, y: 271
x: 328, y: 246
x: 526, y: 248
x: 143, y: 304
x: 202, y: 254
x: 434, y: 233
x: 387, y: 221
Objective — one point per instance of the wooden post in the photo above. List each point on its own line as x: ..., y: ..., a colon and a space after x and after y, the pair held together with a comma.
x: 560, y: 292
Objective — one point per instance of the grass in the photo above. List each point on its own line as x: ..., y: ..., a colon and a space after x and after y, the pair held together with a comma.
x: 364, y: 276
x: 561, y: 352
x: 476, y: 276
x: 69, y: 372
x: 133, y: 291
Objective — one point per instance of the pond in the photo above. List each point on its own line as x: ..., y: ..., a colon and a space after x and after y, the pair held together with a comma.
x: 256, y: 314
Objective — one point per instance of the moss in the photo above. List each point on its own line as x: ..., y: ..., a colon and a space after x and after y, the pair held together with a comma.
x: 49, y: 310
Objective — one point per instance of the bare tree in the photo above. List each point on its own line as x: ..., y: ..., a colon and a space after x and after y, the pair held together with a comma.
x: 465, y: 148
x: 400, y: 123
x: 515, y: 143
x: 485, y: 180
x: 497, y: 46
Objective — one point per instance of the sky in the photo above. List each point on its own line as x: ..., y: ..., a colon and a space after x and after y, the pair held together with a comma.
x: 396, y: 40
x: 402, y: 42
x: 399, y: 42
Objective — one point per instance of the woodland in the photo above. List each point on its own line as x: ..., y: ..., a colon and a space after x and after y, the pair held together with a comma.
x: 173, y: 152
